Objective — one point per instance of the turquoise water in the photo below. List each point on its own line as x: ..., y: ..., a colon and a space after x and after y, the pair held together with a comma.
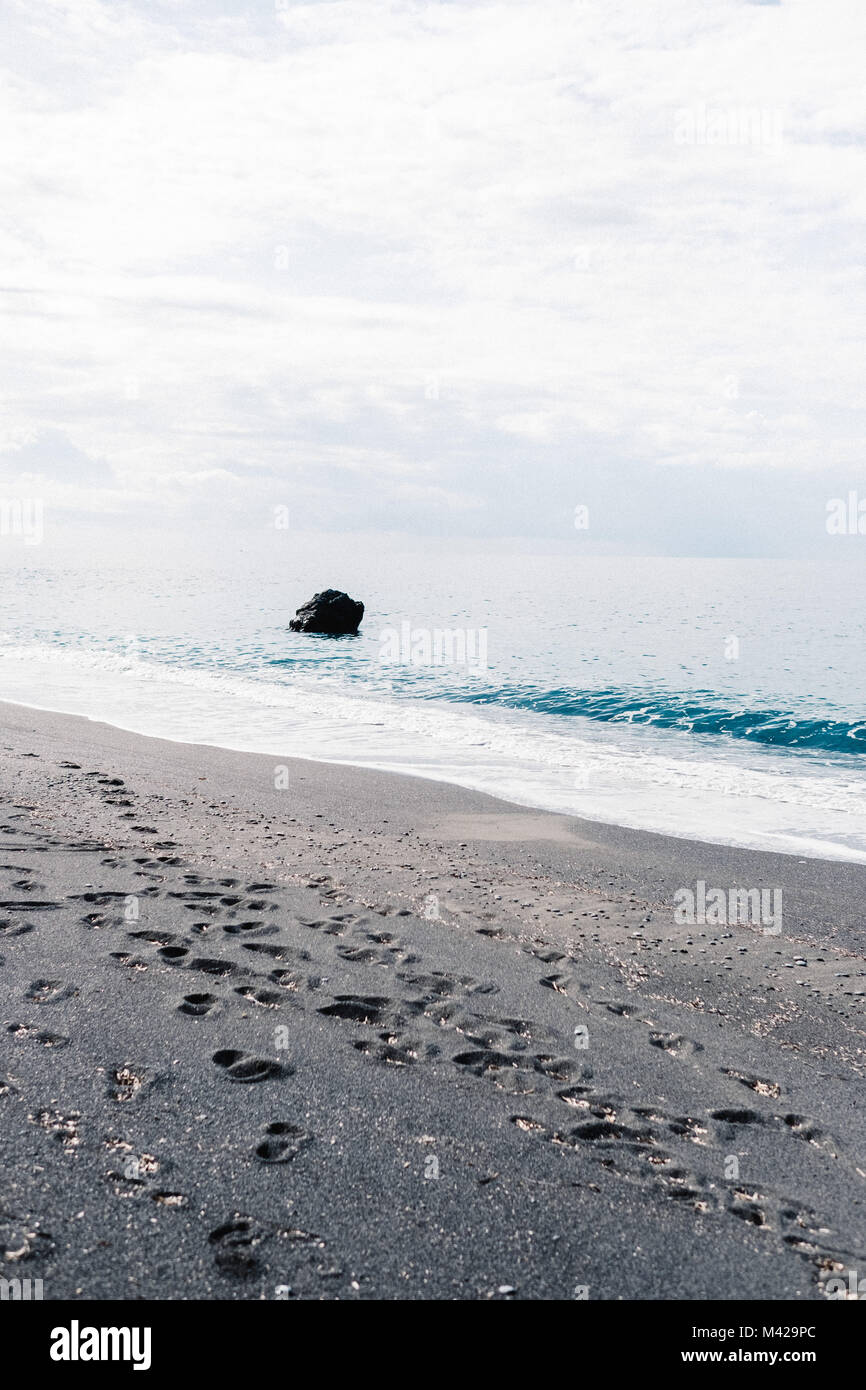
x: 720, y: 698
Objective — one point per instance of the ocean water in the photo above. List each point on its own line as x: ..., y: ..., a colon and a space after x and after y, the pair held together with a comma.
x: 717, y: 699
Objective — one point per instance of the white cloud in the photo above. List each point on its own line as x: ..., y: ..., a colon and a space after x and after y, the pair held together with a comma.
x: 247, y: 242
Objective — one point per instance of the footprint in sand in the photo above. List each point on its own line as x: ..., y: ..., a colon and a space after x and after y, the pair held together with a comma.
x: 26, y: 1031
x: 212, y: 966
x: 385, y: 1051
x: 286, y: 979
x: 240, y: 928
x: 173, y: 955
x: 675, y: 1044
x: 48, y: 991
x: 240, y: 1066
x: 759, y: 1084
x: 131, y: 962
x: 234, y: 1245
x: 262, y: 948
x: 357, y: 1009
x: 197, y: 1005
x: 265, y: 998
x: 282, y: 1143
x: 129, y: 1082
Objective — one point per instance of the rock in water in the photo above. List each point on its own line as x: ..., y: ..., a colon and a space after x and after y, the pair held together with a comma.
x: 331, y: 612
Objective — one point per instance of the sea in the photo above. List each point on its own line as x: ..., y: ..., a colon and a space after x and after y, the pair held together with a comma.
x: 713, y: 699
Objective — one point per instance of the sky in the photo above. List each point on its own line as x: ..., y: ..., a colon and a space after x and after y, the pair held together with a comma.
x: 450, y: 270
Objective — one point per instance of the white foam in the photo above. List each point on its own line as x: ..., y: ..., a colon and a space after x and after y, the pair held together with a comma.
x: 678, y: 784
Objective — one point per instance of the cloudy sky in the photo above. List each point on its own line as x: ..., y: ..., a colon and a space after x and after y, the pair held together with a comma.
x: 442, y: 268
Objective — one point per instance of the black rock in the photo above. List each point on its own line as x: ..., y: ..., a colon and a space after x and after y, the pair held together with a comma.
x: 331, y: 612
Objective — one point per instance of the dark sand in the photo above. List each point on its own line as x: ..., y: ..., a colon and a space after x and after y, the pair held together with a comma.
x: 235, y: 1054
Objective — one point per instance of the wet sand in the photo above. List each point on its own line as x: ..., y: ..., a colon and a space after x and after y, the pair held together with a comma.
x: 273, y: 1028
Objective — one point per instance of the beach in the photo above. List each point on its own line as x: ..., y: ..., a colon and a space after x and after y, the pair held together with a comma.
x: 275, y: 1028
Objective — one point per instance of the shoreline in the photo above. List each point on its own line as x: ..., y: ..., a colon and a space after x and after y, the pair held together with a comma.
x: 398, y: 970
x: 622, y: 788
x: 823, y: 896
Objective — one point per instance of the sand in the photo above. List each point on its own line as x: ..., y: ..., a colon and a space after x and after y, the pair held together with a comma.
x: 279, y: 1029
